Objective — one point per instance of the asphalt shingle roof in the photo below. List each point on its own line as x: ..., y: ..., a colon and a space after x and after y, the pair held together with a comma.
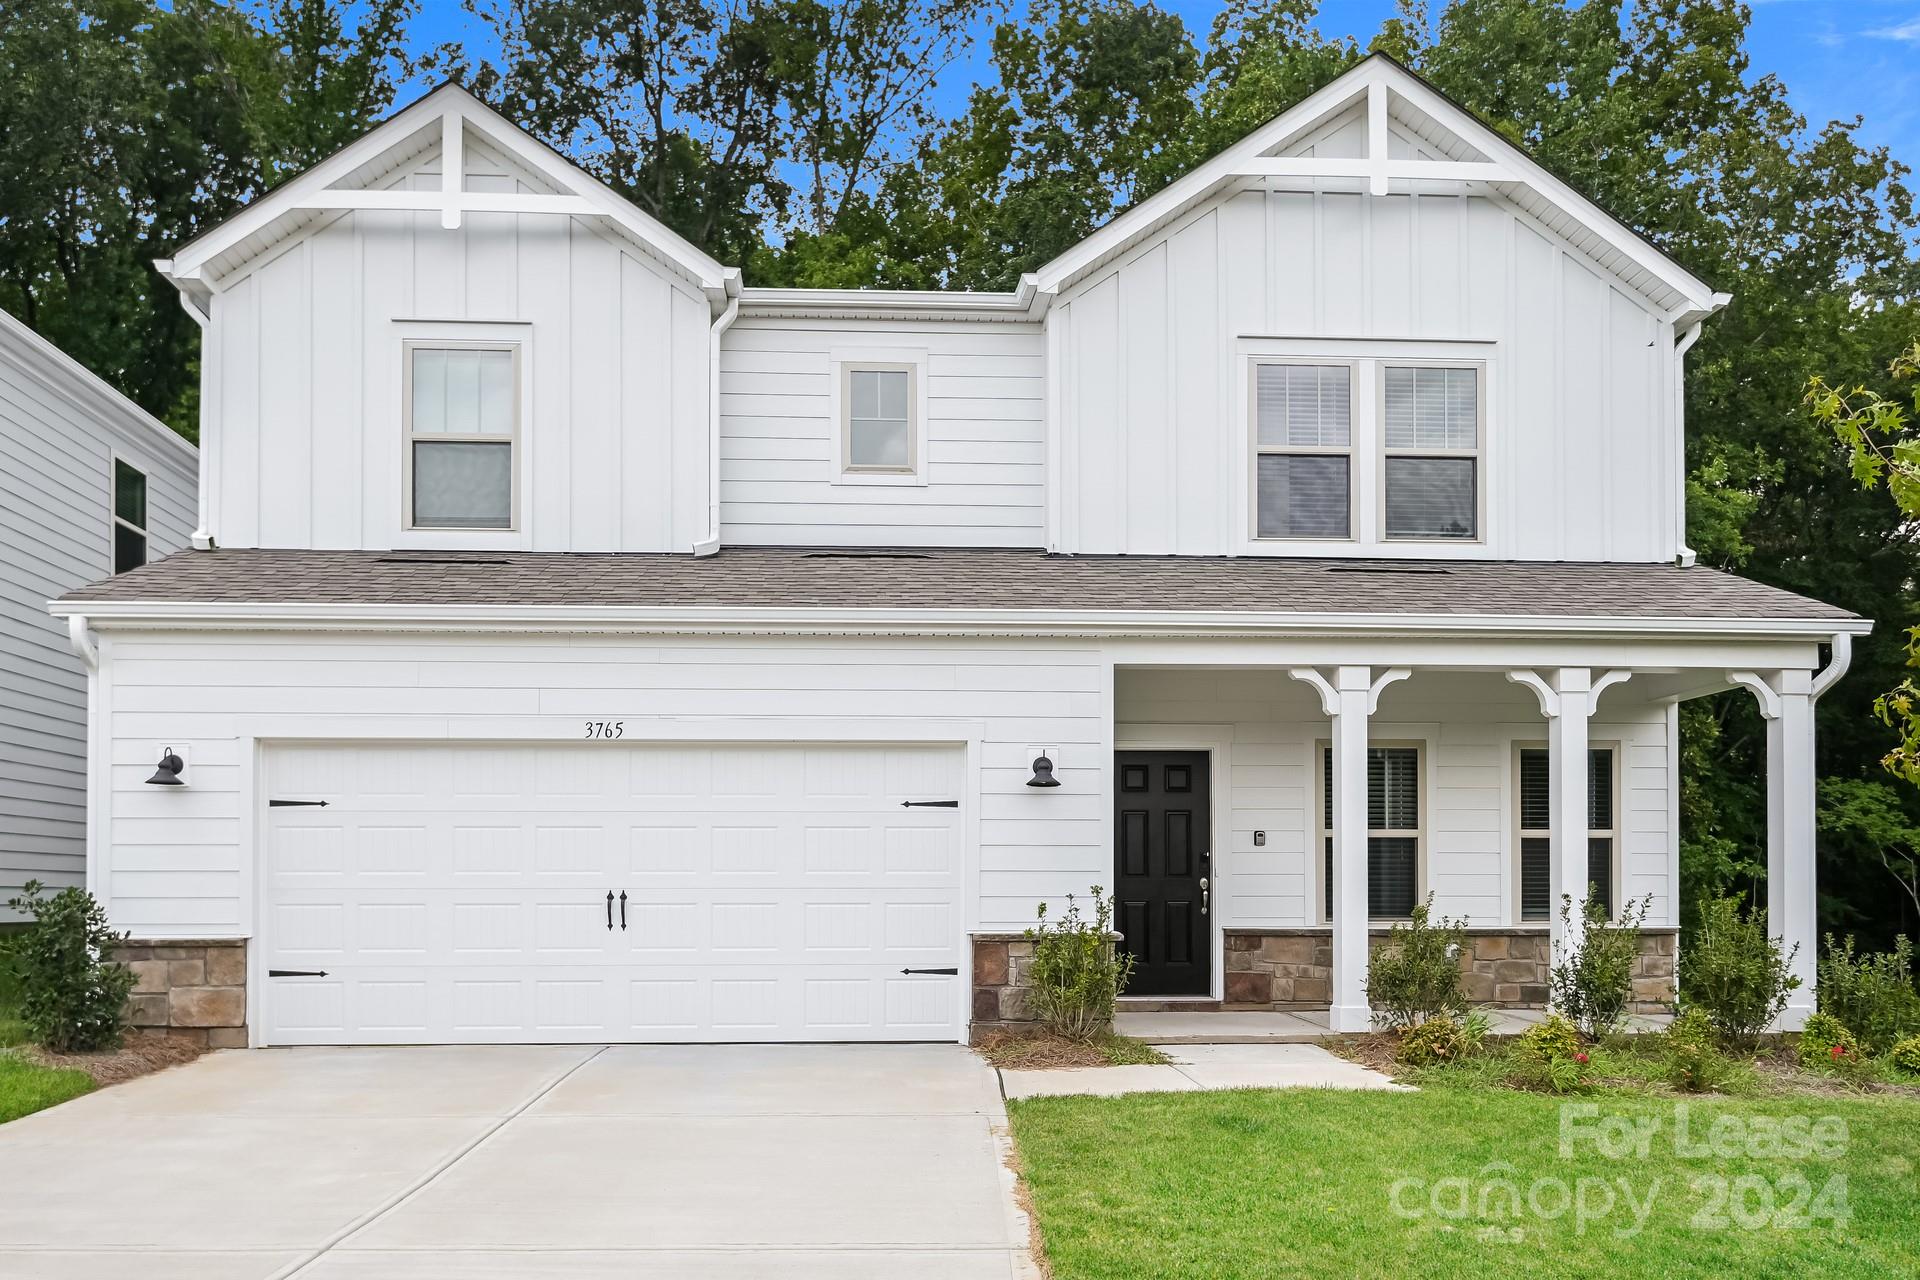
x: 807, y: 578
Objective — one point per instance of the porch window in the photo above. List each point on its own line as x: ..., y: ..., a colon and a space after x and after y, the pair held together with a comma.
x: 1393, y: 830
x: 462, y: 415
x: 1430, y: 472
x: 1303, y: 461
x: 1536, y: 850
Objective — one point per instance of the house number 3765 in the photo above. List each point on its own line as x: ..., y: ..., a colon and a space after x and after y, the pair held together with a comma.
x: 606, y: 728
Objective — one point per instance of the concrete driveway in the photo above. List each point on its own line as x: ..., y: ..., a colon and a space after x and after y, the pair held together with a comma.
x: 697, y: 1162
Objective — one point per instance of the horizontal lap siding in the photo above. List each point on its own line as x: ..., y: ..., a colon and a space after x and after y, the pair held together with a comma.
x: 1468, y: 726
x: 56, y: 520
x: 177, y: 863
x: 986, y: 443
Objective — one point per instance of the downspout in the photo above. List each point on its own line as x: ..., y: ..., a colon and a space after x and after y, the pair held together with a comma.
x: 711, y: 543
x: 203, y: 535
x: 80, y: 636
x: 1836, y: 667
x: 1686, y: 557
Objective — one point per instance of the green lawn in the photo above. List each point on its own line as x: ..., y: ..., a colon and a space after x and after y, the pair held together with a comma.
x: 1302, y: 1183
x: 26, y: 1087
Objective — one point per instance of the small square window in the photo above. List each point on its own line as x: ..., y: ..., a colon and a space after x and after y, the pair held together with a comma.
x: 462, y: 407
x: 879, y: 420
x: 129, y: 517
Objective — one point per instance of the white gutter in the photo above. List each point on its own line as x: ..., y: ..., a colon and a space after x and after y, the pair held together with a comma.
x: 1837, y: 667
x: 700, y: 618
x: 1687, y: 557
x: 202, y: 537
x: 711, y: 543
x: 81, y: 639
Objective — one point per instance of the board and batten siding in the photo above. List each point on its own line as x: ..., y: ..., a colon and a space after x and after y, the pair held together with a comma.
x: 60, y: 431
x: 986, y: 444
x: 1467, y: 726
x: 179, y: 867
x: 1581, y: 451
x: 304, y: 376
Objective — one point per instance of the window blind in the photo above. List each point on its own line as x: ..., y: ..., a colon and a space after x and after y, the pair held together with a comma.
x: 1303, y: 405
x: 1303, y: 495
x: 1431, y: 497
x: 1432, y: 408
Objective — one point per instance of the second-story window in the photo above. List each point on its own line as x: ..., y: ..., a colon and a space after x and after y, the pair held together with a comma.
x: 878, y: 433
x: 462, y: 418
x: 129, y: 517
x: 1303, y: 447
x: 1430, y: 470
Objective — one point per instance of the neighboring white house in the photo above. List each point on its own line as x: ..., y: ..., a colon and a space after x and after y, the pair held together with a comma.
x: 89, y: 486
x: 581, y: 646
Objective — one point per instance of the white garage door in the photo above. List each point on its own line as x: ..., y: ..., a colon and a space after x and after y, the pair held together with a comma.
x: 463, y: 894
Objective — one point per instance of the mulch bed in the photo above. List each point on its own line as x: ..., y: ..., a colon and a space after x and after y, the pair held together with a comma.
x: 139, y: 1055
x: 1017, y: 1051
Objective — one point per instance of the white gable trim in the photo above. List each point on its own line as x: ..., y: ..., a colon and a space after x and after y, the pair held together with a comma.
x: 452, y: 110
x: 1372, y: 81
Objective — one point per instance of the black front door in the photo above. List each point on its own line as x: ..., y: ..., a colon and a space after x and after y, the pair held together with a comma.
x: 1161, y: 827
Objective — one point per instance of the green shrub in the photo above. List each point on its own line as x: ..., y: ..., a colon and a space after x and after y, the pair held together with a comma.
x: 1551, y: 1057
x: 1434, y: 1043
x: 1693, y: 1065
x: 72, y: 997
x: 1873, y: 994
x: 1827, y: 1045
x: 1077, y: 972
x: 1735, y: 973
x: 1415, y: 974
x: 1692, y: 1026
x: 1905, y: 1056
x: 1593, y: 984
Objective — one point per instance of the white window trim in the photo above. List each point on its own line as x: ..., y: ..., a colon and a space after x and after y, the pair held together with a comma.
x: 1368, y: 357
x: 114, y: 462
x: 449, y: 335
x: 1514, y: 903
x: 1317, y: 875
x: 1477, y: 453
x: 1255, y: 450
x: 844, y: 361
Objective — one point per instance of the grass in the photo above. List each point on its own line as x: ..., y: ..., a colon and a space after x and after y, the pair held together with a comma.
x: 1288, y: 1183
x: 26, y: 1087
x: 1021, y: 1051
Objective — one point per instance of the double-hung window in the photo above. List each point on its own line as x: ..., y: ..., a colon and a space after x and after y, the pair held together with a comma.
x: 129, y: 517
x: 1430, y: 462
x: 880, y: 431
x: 462, y: 421
x: 1394, y: 834
x: 1303, y: 450
x: 1536, y: 840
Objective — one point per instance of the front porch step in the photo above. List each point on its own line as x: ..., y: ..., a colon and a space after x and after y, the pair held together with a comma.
x: 1250, y: 1026
x: 1164, y: 1004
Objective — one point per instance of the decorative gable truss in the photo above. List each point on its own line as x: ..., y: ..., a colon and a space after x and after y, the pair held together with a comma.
x: 449, y: 120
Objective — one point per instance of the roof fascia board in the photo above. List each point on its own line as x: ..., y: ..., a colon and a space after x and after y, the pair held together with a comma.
x: 959, y: 621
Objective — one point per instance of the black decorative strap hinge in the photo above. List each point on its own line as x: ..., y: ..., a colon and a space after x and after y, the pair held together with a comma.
x: 951, y: 973
x: 296, y: 973
x: 296, y: 804
x: 929, y: 804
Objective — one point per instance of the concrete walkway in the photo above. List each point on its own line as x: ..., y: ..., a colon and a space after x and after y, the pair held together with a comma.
x: 556, y: 1163
x: 1204, y: 1066
x: 1307, y: 1026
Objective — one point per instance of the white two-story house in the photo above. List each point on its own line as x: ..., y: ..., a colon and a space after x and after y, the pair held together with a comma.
x: 578, y: 645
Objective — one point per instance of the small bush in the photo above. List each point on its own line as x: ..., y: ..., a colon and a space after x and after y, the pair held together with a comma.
x: 1434, y: 1043
x: 1415, y: 975
x: 1692, y: 1026
x: 1735, y: 973
x: 1905, y: 1056
x: 1695, y: 1066
x: 1873, y: 993
x: 1827, y: 1045
x: 1551, y: 1057
x: 1593, y: 984
x: 1077, y: 972
x: 73, y: 998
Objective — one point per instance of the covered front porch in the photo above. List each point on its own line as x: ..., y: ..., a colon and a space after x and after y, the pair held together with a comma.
x: 1273, y: 816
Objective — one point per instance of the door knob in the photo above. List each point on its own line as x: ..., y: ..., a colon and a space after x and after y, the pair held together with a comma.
x: 1203, y: 895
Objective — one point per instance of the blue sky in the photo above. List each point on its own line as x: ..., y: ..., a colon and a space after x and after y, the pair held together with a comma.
x: 1839, y: 58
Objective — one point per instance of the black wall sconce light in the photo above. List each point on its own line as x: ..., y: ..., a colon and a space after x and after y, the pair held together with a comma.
x: 169, y: 770
x: 1043, y: 773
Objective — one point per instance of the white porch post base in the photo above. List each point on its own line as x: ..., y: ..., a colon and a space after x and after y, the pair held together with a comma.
x: 1345, y: 1018
x: 1792, y: 908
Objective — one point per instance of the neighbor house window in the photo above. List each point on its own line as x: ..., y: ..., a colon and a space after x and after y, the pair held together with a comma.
x: 1394, y: 834
x: 1536, y: 842
x: 462, y: 417
x: 1303, y: 450
x: 878, y: 431
x: 129, y: 517
x: 1430, y: 469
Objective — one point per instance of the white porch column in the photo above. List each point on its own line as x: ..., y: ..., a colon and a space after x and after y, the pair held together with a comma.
x: 1792, y: 909
x: 1348, y: 700
x: 1567, y: 803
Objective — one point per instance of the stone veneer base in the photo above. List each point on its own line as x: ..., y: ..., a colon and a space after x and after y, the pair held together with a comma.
x: 1292, y: 969
x: 189, y: 988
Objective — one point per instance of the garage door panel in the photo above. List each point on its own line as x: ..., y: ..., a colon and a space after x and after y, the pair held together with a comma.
x: 772, y: 893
